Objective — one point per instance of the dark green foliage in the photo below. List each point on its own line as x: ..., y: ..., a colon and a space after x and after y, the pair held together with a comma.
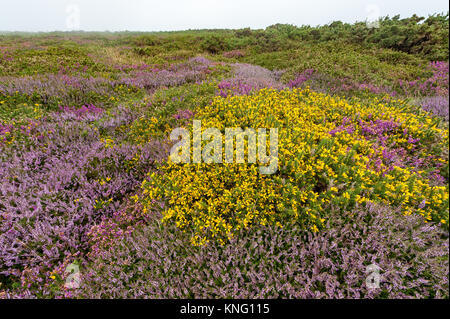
x: 427, y: 37
x: 213, y: 44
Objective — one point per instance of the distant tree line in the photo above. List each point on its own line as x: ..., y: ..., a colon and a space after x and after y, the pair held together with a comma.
x: 427, y: 37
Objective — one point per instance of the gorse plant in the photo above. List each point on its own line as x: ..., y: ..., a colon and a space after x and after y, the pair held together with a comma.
x: 331, y: 153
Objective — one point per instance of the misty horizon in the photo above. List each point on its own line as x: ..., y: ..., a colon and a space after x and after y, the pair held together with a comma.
x: 176, y: 15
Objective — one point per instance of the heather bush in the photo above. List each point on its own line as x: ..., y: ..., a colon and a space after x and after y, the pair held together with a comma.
x: 438, y: 105
x: 196, y: 69
x: 248, y: 78
x: 61, y: 89
x: 343, y: 86
x: 435, y: 84
x: 60, y: 182
x: 273, y: 262
x: 55, y: 90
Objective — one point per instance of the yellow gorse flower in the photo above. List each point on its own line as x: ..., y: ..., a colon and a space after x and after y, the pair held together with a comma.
x: 317, y: 169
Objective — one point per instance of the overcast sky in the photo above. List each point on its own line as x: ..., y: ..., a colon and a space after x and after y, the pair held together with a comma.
x: 152, y: 15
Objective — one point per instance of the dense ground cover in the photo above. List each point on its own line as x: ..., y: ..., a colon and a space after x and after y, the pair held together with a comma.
x: 362, y: 172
